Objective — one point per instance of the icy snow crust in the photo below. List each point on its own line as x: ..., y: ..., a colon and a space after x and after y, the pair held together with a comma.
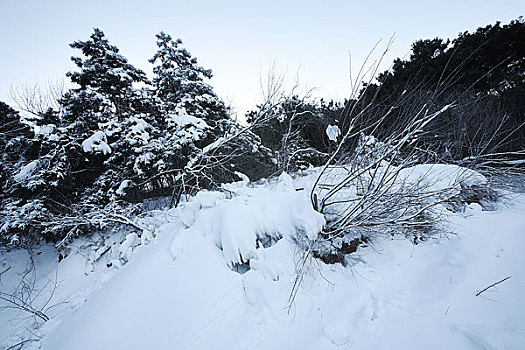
x: 177, y: 286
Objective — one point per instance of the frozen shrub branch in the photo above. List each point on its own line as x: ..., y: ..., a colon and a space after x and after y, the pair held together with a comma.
x: 26, y: 296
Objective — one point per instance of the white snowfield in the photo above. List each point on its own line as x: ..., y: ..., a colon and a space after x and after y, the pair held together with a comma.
x: 182, y: 288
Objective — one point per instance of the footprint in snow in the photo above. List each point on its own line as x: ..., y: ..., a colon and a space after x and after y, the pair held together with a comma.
x: 336, y: 334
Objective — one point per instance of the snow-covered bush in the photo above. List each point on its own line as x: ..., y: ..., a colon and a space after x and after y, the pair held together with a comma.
x: 256, y: 217
x: 379, y: 188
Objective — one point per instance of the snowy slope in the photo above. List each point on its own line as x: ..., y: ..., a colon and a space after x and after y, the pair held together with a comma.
x: 179, y: 292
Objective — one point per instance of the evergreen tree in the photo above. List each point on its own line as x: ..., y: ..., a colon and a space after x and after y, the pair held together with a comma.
x: 480, y: 73
x: 14, y: 144
x: 76, y: 164
x: 179, y: 83
x: 97, y: 112
x: 15, y: 169
x: 105, y: 81
x: 196, y: 121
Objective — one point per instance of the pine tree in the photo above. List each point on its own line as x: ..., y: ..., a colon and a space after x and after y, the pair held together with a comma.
x: 189, y: 114
x: 195, y: 122
x: 15, y: 139
x: 179, y: 83
x: 98, y: 111
x: 15, y: 169
x: 105, y: 80
x: 76, y: 164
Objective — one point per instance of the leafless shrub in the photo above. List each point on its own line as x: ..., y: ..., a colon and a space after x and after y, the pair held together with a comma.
x: 37, y: 99
x: 363, y: 189
x: 99, y: 218
x: 27, y: 296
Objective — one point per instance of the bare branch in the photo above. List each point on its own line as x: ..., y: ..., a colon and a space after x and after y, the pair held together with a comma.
x: 492, y: 285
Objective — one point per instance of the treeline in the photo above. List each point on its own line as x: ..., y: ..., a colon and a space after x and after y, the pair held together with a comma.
x: 118, y: 137
x: 480, y: 76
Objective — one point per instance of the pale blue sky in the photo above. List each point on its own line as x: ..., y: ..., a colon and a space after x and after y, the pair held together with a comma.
x: 236, y: 39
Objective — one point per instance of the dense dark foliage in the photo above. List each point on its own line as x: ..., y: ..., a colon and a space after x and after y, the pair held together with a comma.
x: 479, y: 78
x: 481, y: 74
x: 14, y: 145
x: 296, y: 131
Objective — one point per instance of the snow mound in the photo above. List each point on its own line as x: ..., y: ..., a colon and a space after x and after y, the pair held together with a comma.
x: 285, y: 181
x: 208, y: 199
x: 336, y: 335
x: 238, y: 224
x: 439, y: 177
x: 126, y: 248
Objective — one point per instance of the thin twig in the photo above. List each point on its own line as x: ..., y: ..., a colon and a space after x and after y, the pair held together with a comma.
x: 492, y: 285
x: 19, y: 344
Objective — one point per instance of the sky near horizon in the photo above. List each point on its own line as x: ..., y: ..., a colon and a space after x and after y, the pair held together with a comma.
x: 238, y: 40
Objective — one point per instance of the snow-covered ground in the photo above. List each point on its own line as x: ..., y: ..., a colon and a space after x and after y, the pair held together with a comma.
x: 178, y: 287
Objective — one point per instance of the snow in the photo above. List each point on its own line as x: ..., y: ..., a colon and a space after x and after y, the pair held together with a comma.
x: 182, y: 118
x: 26, y: 171
x: 122, y: 187
x: 208, y: 199
x: 237, y: 224
x: 432, y: 182
x: 96, y: 143
x: 285, y: 181
x: 244, y: 178
x: 438, y: 177
x: 187, y: 127
x: 333, y: 132
x: 336, y: 334
x: 47, y: 131
x: 139, y: 131
x: 126, y: 248
x: 186, y: 290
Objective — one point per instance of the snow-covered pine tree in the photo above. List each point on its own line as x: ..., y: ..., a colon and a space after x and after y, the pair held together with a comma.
x: 195, y: 124
x: 179, y: 83
x: 16, y: 174
x: 98, y: 111
x: 78, y: 162
x: 105, y: 81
